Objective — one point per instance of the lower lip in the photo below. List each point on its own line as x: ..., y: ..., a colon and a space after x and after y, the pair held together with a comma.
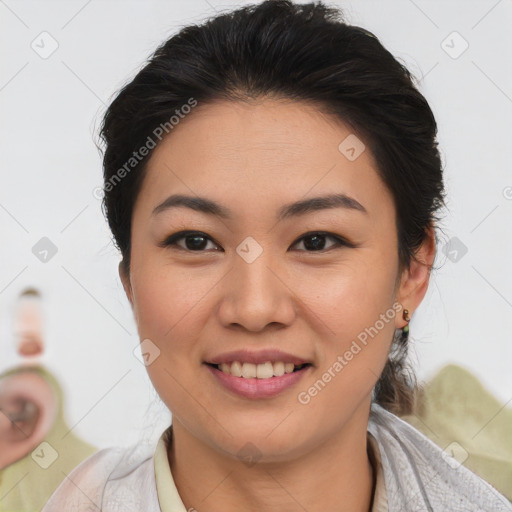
x: 258, y: 388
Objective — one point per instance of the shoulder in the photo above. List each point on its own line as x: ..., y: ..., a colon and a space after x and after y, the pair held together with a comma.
x: 420, y: 476
x: 116, y: 478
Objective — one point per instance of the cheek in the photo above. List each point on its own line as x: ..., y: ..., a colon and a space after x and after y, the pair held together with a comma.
x: 351, y: 295
x: 356, y: 308
x: 354, y: 302
x: 166, y: 299
x: 170, y: 308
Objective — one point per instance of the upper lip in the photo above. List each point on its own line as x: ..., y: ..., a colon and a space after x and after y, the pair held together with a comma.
x: 259, y: 357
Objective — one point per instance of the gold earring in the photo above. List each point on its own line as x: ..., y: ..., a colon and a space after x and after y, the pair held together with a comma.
x: 405, y: 316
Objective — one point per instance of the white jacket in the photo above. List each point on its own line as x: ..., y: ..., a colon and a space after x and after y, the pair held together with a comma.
x: 418, y: 477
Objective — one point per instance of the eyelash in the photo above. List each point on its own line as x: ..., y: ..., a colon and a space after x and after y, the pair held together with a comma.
x: 173, y: 239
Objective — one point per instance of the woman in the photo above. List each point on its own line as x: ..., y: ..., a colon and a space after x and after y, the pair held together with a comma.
x: 272, y: 181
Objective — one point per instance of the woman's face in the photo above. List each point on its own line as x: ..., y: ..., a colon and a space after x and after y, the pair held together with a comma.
x: 253, y: 281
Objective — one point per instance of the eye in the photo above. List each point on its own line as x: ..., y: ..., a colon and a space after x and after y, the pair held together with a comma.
x: 315, y: 241
x: 195, y: 241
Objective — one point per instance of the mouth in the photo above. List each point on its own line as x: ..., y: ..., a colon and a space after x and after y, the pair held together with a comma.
x: 258, y: 381
x: 258, y: 371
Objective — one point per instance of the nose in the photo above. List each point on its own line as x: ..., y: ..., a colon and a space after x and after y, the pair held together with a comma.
x: 256, y: 294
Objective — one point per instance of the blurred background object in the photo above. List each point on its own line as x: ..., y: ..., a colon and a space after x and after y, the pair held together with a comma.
x: 37, y: 447
x: 28, y: 324
x: 457, y: 413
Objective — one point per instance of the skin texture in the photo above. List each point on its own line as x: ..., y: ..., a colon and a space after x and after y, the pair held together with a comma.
x: 253, y: 158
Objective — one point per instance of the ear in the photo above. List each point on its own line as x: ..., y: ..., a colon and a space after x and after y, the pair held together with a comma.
x: 125, y: 279
x: 414, y: 280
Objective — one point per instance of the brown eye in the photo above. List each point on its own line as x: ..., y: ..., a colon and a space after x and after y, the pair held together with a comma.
x: 194, y: 241
x: 316, y: 241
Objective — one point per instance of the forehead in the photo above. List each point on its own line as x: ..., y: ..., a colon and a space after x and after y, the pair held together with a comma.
x: 266, y: 150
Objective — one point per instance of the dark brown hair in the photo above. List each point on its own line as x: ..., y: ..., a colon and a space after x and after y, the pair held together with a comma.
x: 302, y: 52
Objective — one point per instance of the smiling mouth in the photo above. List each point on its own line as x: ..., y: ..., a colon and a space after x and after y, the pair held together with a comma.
x: 258, y: 371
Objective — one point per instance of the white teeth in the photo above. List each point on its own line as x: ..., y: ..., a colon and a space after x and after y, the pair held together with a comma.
x: 279, y: 368
x: 236, y: 369
x: 288, y: 367
x: 260, y: 371
x: 249, y: 371
x: 265, y: 370
x: 225, y: 368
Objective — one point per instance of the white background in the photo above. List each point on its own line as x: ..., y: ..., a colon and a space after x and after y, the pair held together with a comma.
x: 50, y: 111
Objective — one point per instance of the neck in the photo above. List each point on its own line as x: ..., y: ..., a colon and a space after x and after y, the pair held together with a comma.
x: 335, y: 474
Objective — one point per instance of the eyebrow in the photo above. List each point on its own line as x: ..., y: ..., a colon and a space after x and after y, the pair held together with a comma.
x: 305, y: 206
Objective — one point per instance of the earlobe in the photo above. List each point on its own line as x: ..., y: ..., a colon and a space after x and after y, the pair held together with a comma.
x: 416, y: 277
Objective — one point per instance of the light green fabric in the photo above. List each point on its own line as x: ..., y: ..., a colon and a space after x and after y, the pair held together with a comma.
x: 455, y: 407
x: 24, y: 485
